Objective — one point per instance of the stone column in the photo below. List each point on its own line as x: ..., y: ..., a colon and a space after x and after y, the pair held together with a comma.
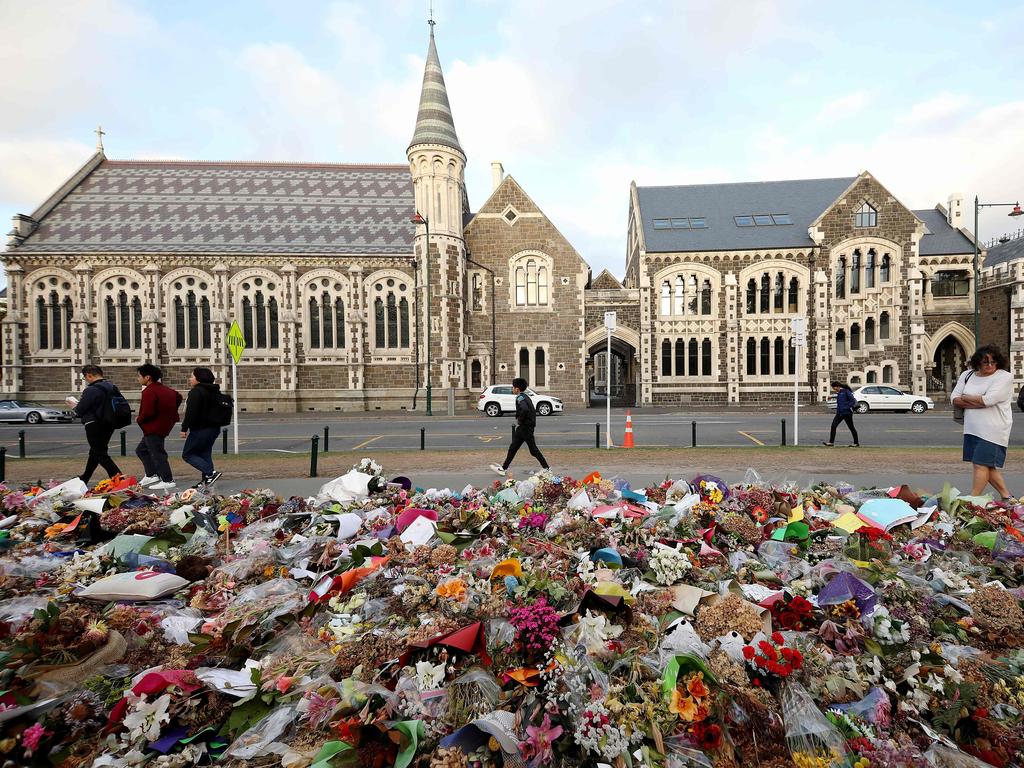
x: 220, y: 321
x: 288, y: 326
x: 731, y: 366
x: 85, y: 326
x: 356, y: 319
x: 14, y: 323
x: 822, y: 335
x: 915, y: 300
x: 646, y: 340
x: 152, y: 312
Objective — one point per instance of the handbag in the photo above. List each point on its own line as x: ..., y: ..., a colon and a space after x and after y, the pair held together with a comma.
x: 958, y: 412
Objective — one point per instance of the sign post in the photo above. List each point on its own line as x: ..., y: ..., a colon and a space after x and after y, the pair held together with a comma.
x: 236, y: 346
x: 609, y: 324
x: 799, y: 342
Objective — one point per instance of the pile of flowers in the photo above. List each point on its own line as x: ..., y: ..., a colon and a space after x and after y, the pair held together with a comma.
x: 551, y: 621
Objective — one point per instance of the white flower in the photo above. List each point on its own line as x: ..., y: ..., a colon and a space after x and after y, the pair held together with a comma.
x: 953, y: 675
x: 145, y: 718
x: 594, y: 630
x: 669, y: 564
x: 429, y: 676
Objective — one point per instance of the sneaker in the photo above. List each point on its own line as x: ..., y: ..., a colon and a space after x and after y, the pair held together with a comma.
x: 163, y: 485
x: 828, y: 445
x: 498, y: 469
x: 149, y: 480
x: 211, y: 478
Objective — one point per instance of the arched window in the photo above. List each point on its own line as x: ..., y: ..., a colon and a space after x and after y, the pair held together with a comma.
x: 780, y: 284
x: 855, y: 337
x: 887, y: 374
x: 766, y: 288
x: 780, y: 356
x: 794, y: 296
x: 855, y: 273
x: 691, y: 295
x: 477, y: 292
x: 884, y: 272
x: 872, y: 377
x: 259, y: 310
x: 869, y: 270
x: 751, y: 296
x: 53, y: 312
x: 869, y: 330
x: 751, y: 357
x: 475, y: 374
x: 391, y: 313
x: 680, y: 357
x: 792, y: 358
x: 705, y: 357
x: 692, y: 358
x: 191, y: 308
x: 325, y: 320
x: 123, y: 309
x: 841, y: 278
x: 524, y: 363
x: 542, y: 286
x: 705, y: 298
x: 666, y: 298
x: 766, y: 357
x: 840, y: 343
x: 666, y: 358
x: 521, y: 286
x: 540, y: 368
x: 532, y: 281
x: 883, y: 325
x: 866, y: 216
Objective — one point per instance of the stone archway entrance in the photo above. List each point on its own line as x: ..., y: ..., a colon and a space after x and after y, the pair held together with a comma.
x: 622, y: 386
x: 948, y: 363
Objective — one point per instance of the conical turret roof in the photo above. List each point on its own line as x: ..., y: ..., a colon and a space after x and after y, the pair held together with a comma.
x: 434, y: 124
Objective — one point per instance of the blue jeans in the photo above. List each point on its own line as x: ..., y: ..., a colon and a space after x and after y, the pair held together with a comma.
x: 198, y: 449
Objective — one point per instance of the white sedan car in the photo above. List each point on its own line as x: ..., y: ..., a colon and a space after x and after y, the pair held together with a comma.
x: 498, y: 399
x: 881, y: 397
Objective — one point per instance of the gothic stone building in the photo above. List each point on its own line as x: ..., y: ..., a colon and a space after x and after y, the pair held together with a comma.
x: 343, y: 298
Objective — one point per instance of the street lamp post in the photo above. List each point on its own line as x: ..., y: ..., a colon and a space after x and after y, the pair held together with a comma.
x: 418, y: 219
x: 977, y: 273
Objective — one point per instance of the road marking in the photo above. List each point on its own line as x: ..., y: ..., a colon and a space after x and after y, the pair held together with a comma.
x: 365, y: 443
x: 280, y: 450
x: 750, y: 437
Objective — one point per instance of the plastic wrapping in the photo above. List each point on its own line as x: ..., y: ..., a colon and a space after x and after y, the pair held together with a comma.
x: 943, y: 756
x: 258, y: 739
x: 812, y: 739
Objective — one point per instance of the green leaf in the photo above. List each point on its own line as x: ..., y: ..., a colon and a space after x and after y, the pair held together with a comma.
x: 873, y: 647
x: 244, y: 716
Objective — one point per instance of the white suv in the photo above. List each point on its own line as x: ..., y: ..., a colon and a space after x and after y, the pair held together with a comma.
x: 496, y: 400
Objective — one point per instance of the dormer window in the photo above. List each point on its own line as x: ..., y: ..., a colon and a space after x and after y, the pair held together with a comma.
x: 866, y: 216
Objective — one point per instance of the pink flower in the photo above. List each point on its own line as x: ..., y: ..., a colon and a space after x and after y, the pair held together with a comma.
x: 284, y: 683
x: 539, y: 741
x: 32, y: 736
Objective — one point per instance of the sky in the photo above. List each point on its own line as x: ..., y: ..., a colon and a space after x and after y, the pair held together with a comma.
x: 576, y: 99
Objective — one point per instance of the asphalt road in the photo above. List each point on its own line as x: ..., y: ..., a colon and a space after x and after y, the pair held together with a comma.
x: 290, y: 433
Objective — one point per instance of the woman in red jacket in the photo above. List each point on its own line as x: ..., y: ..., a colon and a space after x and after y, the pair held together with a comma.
x: 158, y: 413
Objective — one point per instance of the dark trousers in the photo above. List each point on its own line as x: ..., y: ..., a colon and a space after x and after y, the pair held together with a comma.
x: 198, y: 450
x: 153, y: 455
x: 848, y: 418
x: 98, y: 436
x: 518, y: 438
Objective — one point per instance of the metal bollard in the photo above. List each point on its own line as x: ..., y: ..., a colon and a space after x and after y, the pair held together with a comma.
x: 313, y: 454
x: 783, y: 432
x: 423, y: 438
x: 327, y: 433
x: 693, y: 434
x: 224, y: 441
x: 597, y: 435
x: 21, y: 444
x: 3, y: 464
x: 124, y: 444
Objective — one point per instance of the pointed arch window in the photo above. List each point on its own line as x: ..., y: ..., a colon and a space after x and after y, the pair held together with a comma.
x: 666, y: 298
x: 705, y: 297
x: 680, y: 357
x: 666, y: 358
x: 540, y: 368
x: 325, y: 318
x: 475, y: 374
x: 884, y: 275
x: 53, y: 314
x: 751, y: 357
x: 869, y: 269
x: 887, y: 374
x: 123, y: 309
x: 883, y: 325
x: 532, y: 281
x: 855, y: 337
x: 793, y: 302
x: 766, y: 288
x: 855, y: 273
x: 766, y: 357
x: 692, y: 357
x: 751, y: 296
x: 840, y: 343
x: 780, y: 356
x: 705, y: 357
x: 869, y: 330
x: 872, y: 377
x: 792, y: 358
x: 866, y: 216
x: 524, y: 363
x: 679, y: 296
x: 260, y: 313
x: 841, y: 278
x: 691, y: 295
x: 780, y: 283
x: 391, y: 314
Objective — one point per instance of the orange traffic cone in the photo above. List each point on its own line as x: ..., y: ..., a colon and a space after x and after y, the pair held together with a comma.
x: 627, y: 440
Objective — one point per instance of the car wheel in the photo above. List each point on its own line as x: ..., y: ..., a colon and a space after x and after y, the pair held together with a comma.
x: 544, y: 409
x: 492, y: 409
x: 862, y: 407
x: 919, y: 407
x: 33, y: 418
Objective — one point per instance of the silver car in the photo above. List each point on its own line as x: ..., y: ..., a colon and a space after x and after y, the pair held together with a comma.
x: 32, y: 413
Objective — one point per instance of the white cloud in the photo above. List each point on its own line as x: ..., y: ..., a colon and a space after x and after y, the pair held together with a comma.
x: 934, y: 110
x: 843, y: 107
x: 34, y: 169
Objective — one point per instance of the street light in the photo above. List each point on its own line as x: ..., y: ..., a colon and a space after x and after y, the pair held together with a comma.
x: 418, y: 219
x: 977, y: 275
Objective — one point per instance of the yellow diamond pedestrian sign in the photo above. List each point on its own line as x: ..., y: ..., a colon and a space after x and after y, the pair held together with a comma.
x: 236, y: 342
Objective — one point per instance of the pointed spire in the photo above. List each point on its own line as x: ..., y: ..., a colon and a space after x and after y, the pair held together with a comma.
x: 434, y: 124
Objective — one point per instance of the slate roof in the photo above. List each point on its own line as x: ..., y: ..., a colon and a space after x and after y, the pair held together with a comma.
x: 434, y: 123
x: 803, y: 199
x: 1002, y: 253
x: 197, y: 207
x: 941, y: 239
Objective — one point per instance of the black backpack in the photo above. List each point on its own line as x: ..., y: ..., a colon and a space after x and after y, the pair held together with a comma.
x: 116, y: 411
x: 219, y: 408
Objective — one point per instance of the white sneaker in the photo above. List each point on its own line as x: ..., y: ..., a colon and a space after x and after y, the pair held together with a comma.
x: 149, y: 480
x: 498, y: 469
x: 163, y: 485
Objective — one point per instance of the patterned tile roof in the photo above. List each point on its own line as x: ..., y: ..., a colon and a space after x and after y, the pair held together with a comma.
x: 197, y: 207
x: 941, y: 238
x: 434, y: 123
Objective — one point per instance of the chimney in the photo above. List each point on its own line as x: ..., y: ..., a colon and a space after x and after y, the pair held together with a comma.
x: 497, y: 174
x: 955, y: 211
x: 23, y: 226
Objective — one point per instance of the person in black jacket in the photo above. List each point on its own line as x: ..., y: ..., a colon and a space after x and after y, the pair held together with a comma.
x: 98, y: 432
x: 526, y: 422
x: 845, y: 405
x: 198, y: 429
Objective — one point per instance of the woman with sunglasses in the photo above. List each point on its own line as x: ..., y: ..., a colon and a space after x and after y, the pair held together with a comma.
x: 984, y: 391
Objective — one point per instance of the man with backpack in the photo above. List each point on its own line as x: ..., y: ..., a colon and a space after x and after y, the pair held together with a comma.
x: 158, y: 413
x: 101, y: 408
x: 526, y: 423
x: 207, y: 409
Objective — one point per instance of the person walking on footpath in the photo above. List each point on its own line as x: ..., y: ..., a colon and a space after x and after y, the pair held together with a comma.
x: 984, y: 391
x: 158, y: 413
x: 526, y: 423
x: 199, y: 427
x: 93, y: 409
x: 845, y: 405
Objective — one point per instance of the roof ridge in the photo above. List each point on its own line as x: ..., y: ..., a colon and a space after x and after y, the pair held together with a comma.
x: 257, y: 163
x: 740, y: 183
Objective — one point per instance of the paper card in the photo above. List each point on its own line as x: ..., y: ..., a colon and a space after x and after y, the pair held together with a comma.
x: 94, y: 504
x: 796, y: 514
x: 419, y: 532
x: 886, y: 513
x: 924, y: 514
x: 687, y: 597
x: 580, y: 500
x: 849, y: 522
x: 228, y: 681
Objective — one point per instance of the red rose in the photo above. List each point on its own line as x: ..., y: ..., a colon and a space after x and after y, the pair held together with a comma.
x: 777, y: 638
x: 748, y: 652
